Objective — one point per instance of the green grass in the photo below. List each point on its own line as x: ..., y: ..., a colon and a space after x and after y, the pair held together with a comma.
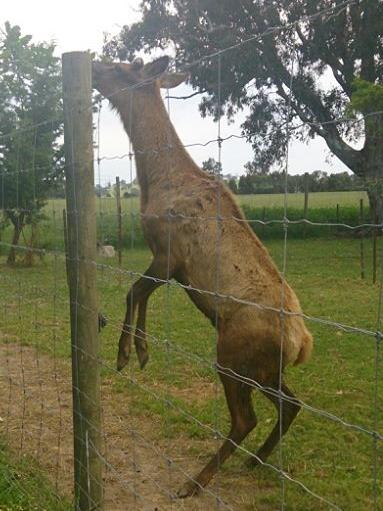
x: 24, y: 488
x: 296, y: 200
x: 331, y: 459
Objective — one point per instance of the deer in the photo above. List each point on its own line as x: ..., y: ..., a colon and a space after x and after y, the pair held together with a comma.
x: 254, y: 343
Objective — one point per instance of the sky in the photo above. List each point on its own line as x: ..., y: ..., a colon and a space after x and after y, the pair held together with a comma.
x: 80, y: 25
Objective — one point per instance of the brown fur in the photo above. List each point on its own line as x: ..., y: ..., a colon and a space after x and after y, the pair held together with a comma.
x: 202, y: 254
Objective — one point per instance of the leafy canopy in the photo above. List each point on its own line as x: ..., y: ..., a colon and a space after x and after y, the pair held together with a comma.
x: 301, y: 72
x: 30, y: 124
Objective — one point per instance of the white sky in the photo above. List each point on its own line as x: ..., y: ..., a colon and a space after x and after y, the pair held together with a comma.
x: 80, y: 25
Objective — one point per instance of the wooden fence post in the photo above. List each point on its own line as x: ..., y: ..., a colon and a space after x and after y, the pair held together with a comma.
x: 119, y: 221
x: 361, y: 219
x: 81, y: 242
x: 306, y: 203
x: 374, y: 250
x: 264, y: 219
x: 65, y: 229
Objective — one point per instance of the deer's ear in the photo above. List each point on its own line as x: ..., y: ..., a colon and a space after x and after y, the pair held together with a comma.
x: 156, y: 68
x: 171, y: 80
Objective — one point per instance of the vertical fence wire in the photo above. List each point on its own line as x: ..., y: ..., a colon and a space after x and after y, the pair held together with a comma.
x: 376, y: 488
x: 102, y: 321
x: 217, y: 256
x: 130, y: 326
x: 283, y: 285
x: 168, y: 318
x: 56, y: 370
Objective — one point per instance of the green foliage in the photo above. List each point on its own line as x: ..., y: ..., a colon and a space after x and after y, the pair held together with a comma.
x: 212, y: 166
x: 30, y: 125
x: 233, y: 185
x: 366, y: 97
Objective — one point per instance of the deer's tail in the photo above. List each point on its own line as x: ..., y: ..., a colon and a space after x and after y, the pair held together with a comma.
x: 306, y: 348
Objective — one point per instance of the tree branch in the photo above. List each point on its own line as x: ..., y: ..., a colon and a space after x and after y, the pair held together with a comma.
x: 303, y: 93
x: 187, y: 97
x: 299, y: 111
x: 336, y: 67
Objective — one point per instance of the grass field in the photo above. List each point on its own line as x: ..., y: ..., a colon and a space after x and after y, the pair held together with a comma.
x: 296, y: 200
x: 322, y: 209
x: 107, y: 205
x: 334, y: 461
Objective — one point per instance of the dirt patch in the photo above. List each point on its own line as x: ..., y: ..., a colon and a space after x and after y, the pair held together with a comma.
x: 142, y: 470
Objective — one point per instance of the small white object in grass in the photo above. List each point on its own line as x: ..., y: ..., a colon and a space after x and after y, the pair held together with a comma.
x: 105, y: 250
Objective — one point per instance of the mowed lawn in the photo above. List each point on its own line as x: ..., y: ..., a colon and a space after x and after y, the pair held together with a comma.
x: 179, y: 391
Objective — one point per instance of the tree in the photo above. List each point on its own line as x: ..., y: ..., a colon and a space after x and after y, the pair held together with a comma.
x: 299, y: 75
x: 30, y: 124
x: 232, y: 184
x: 245, y: 185
x: 212, y: 166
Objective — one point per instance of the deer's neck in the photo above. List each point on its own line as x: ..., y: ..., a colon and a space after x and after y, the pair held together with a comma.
x: 159, y: 153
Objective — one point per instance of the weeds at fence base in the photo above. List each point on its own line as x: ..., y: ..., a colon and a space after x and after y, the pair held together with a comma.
x: 23, y: 487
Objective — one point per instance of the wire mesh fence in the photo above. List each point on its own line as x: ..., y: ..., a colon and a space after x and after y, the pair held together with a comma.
x: 160, y: 426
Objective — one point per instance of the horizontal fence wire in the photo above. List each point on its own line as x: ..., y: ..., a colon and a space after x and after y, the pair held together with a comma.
x: 181, y: 216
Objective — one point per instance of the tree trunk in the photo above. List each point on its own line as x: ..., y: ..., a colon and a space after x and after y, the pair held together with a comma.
x: 29, y: 256
x: 375, y: 197
x: 373, y: 167
x: 18, y: 224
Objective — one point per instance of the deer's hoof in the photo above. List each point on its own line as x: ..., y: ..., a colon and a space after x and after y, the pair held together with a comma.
x: 188, y: 490
x: 122, y: 360
x: 143, y: 357
x: 102, y: 321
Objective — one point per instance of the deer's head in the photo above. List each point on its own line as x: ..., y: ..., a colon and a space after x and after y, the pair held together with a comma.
x: 127, y: 78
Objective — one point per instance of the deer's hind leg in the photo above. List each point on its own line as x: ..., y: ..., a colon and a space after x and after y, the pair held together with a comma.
x: 287, y: 407
x: 243, y: 420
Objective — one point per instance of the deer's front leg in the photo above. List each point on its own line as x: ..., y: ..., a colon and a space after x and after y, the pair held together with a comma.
x: 140, y: 334
x: 154, y: 277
